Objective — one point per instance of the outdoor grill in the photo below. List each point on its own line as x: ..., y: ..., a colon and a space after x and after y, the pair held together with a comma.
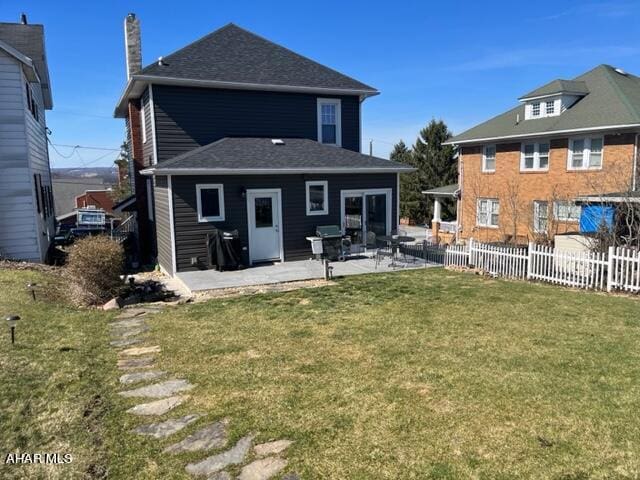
x: 335, y: 245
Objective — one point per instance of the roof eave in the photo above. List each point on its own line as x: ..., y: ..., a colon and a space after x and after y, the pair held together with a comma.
x: 137, y: 83
x: 272, y: 171
x: 553, y: 94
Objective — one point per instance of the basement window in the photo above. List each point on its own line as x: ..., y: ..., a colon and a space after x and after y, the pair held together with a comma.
x: 210, y: 202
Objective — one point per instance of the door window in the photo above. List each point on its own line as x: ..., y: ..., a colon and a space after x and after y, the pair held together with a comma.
x: 264, y: 212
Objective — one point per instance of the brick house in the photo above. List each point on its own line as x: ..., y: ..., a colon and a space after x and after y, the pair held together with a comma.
x: 521, y: 172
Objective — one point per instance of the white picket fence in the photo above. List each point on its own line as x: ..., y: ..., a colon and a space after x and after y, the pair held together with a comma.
x: 618, y: 269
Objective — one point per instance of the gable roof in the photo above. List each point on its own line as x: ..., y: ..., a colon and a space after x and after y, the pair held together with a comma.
x: 557, y: 86
x: 612, y: 102
x: 242, y: 156
x: 28, y: 40
x: 232, y: 57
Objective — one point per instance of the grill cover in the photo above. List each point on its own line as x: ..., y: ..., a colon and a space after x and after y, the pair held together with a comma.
x: 225, y: 250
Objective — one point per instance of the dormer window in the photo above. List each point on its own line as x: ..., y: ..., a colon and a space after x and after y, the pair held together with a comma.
x: 535, y: 109
x: 329, y: 125
x: 550, y: 107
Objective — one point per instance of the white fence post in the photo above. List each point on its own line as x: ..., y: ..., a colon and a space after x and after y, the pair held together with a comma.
x: 471, y: 262
x: 530, y: 260
x: 610, y: 266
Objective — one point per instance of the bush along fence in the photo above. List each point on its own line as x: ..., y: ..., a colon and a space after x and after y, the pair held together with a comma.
x: 617, y: 269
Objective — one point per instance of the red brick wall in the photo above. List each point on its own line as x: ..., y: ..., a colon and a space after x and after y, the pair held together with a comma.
x: 100, y: 199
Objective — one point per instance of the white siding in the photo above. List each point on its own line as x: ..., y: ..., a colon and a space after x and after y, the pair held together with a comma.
x: 23, y: 233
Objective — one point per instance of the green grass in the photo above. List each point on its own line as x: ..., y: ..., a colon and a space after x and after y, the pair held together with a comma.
x: 420, y: 374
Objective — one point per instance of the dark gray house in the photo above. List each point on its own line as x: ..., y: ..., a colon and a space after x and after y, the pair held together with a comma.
x: 236, y: 132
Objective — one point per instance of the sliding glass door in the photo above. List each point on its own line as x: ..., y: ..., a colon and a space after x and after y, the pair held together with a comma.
x: 366, y: 215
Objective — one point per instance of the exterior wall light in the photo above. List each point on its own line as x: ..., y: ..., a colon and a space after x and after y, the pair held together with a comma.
x: 32, y: 288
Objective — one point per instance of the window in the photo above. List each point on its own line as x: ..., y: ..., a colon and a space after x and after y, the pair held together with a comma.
x: 585, y: 153
x: 263, y: 212
x: 35, y: 183
x: 540, y: 216
x: 535, y: 156
x: 488, y: 212
x: 143, y: 124
x: 210, y: 200
x: 489, y: 158
x: 329, y: 117
x: 550, y: 107
x: 32, y: 105
x: 566, y: 211
x: 535, y: 109
x: 317, y: 198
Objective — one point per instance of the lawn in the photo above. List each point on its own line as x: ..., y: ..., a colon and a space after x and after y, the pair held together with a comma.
x: 418, y: 374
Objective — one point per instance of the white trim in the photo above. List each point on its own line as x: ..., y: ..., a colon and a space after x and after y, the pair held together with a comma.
x: 397, y: 200
x: 484, y: 158
x: 544, y: 134
x: 278, y: 192
x: 143, y: 122
x: 605, y: 199
x: 556, y: 94
x: 271, y: 171
x: 312, y: 183
x: 536, y: 156
x: 210, y: 186
x: 338, y: 104
x: 586, y: 153
x: 490, y: 202
x: 634, y: 179
x: 152, y: 114
x: 363, y: 192
x: 136, y: 85
x: 174, y: 264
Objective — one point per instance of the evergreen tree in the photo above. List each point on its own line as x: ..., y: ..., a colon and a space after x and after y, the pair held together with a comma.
x: 410, y: 193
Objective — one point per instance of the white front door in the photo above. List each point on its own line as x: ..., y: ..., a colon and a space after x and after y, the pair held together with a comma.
x: 265, y: 225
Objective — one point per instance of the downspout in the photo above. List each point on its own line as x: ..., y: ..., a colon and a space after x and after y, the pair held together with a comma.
x: 634, y: 178
x: 459, y: 195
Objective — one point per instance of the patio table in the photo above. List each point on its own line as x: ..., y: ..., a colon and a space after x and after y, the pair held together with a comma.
x: 395, y: 241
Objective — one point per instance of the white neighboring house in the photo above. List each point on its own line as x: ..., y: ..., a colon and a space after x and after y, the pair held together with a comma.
x: 26, y: 197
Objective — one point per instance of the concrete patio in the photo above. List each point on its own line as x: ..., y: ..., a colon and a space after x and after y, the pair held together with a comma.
x: 290, y: 272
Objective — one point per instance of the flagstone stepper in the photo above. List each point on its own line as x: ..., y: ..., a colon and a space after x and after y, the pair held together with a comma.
x: 207, y: 438
x: 126, y: 333
x: 262, y: 469
x: 136, y: 377
x: 166, y: 428
x: 133, y: 363
x: 159, y: 390
x: 132, y: 322
x: 125, y: 342
x: 135, y: 351
x: 215, y: 463
x: 158, y: 407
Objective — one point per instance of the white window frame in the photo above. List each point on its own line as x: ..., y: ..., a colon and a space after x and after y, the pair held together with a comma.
x: 143, y: 124
x: 338, y: 103
x: 325, y: 185
x: 548, y: 103
x: 536, y: 211
x: 484, y: 158
x: 210, y: 186
x: 490, y: 203
x: 533, y: 109
x: 536, y: 156
x: 569, y: 204
x: 586, y: 153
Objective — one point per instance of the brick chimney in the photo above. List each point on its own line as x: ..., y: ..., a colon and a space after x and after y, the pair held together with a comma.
x: 132, y: 45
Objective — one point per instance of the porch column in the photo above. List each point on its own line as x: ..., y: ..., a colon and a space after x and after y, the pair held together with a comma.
x: 435, y: 222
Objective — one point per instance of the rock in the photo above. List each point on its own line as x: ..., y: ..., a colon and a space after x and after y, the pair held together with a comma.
x: 211, y: 436
x: 159, y: 390
x: 271, y: 448
x: 128, y: 323
x: 220, y: 476
x: 164, y: 429
x: 159, y: 407
x: 291, y: 476
x: 215, y: 463
x: 125, y: 342
x: 136, y: 351
x: 113, y: 304
x: 122, y: 334
x: 132, y: 363
x: 262, y: 469
x: 129, y: 378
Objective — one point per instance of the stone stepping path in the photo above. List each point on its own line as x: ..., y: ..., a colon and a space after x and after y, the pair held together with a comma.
x: 125, y: 342
x: 216, y: 463
x: 271, y: 448
x: 262, y: 469
x: 159, y: 407
x: 136, y: 312
x: 167, y: 428
x: 129, y: 323
x: 210, y: 437
x: 134, y: 363
x: 159, y: 390
x: 221, y: 476
x: 136, y: 377
x: 137, y: 351
x: 126, y: 333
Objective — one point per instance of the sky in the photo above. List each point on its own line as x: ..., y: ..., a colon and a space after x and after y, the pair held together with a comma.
x: 459, y: 61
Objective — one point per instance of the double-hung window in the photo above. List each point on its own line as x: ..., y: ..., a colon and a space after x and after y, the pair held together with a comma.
x: 540, y: 216
x: 489, y: 158
x: 210, y: 202
x: 329, y: 121
x: 585, y: 153
x: 550, y: 107
x: 317, y: 197
x: 488, y: 212
x: 535, y: 109
x: 534, y: 156
x: 564, y: 211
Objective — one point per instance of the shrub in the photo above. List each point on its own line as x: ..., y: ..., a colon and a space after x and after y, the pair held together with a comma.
x: 93, y: 270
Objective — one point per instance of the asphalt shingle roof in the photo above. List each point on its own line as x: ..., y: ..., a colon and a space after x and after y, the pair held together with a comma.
x: 229, y: 154
x: 559, y: 86
x: 446, y: 190
x: 233, y: 54
x: 613, y: 100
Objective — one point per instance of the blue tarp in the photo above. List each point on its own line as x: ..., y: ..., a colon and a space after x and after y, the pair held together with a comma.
x: 594, y: 216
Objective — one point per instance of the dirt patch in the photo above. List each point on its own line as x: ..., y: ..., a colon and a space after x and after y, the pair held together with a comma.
x: 255, y: 289
x: 16, y: 265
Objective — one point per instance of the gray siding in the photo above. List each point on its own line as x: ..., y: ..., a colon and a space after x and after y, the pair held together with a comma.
x: 187, y: 118
x: 190, y: 235
x: 23, y: 152
x: 163, y: 224
x: 147, y: 147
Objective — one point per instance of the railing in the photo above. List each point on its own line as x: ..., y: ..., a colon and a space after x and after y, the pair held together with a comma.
x: 126, y: 228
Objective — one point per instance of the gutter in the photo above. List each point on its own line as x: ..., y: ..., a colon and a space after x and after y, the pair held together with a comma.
x: 270, y: 171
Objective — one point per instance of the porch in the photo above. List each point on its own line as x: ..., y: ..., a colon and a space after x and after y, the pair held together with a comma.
x: 292, y: 271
